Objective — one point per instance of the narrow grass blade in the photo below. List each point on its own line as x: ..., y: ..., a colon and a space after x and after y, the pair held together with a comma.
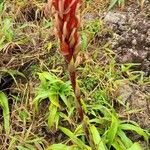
x: 14, y: 73
x: 135, y: 146
x: 5, y: 107
x: 118, y: 146
x: 57, y: 147
x: 65, y: 100
x: 137, y: 129
x: 22, y: 148
x: 52, y: 115
x: 99, y: 145
x: 62, y: 147
x: 112, y: 131
x: 74, y: 139
x: 127, y: 142
x: 112, y: 4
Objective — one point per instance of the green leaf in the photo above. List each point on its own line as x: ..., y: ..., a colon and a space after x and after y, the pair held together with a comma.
x: 121, y: 3
x: 42, y: 78
x: 22, y: 148
x: 5, y: 107
x: 50, y: 77
x: 14, y: 73
x: 112, y: 4
x: 54, y: 99
x: 135, y: 146
x: 118, y: 145
x: 52, y: 115
x: 74, y: 139
x: 30, y: 147
x: 63, y: 97
x: 35, y: 140
x: 1, y: 5
x: 24, y: 115
x: 84, y: 41
x: 57, y: 147
x: 7, y: 29
x: 47, y: 24
x: 41, y: 96
x: 112, y: 131
x: 126, y: 67
x: 127, y: 142
x: 62, y: 147
x: 137, y: 129
x: 96, y: 138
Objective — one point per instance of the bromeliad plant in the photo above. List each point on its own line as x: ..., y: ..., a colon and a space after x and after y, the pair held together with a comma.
x: 67, y: 23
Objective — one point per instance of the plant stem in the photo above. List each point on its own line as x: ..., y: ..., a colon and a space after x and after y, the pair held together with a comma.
x: 72, y: 74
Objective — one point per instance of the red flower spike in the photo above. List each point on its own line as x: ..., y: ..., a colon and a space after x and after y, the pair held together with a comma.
x: 64, y: 48
x: 67, y: 24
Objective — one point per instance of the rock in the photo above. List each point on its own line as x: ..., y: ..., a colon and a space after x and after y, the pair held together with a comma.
x: 131, y: 35
x: 148, y: 32
x: 143, y: 54
x: 134, y: 42
x: 126, y: 58
x: 122, y: 28
x: 125, y: 92
x: 148, y: 40
x: 115, y: 18
x: 89, y: 17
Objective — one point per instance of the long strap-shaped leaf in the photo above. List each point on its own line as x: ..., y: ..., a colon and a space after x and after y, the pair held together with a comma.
x: 74, y: 138
x: 5, y: 107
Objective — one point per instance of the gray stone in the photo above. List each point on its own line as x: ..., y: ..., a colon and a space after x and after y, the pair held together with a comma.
x: 134, y: 42
x: 89, y: 17
x: 115, y: 18
x: 125, y: 92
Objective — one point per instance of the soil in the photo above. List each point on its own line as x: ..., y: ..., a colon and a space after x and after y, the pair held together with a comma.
x: 128, y: 34
x: 131, y: 35
x: 138, y: 102
x: 131, y: 43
